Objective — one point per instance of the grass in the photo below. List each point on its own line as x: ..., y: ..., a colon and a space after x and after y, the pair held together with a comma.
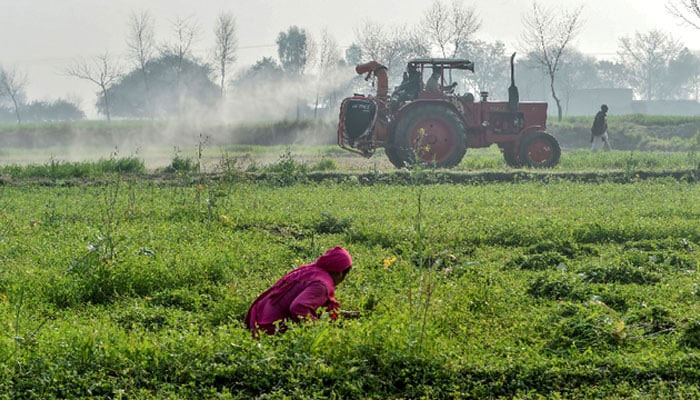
x: 82, y: 169
x: 297, y: 161
x: 136, y: 290
x: 639, y: 119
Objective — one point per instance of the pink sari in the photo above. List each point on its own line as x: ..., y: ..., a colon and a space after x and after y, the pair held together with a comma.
x: 298, y: 294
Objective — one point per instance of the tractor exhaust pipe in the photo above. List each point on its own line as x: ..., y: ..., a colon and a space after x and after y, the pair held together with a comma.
x: 513, y: 95
x: 378, y: 70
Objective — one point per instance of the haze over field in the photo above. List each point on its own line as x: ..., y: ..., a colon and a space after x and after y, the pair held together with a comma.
x: 42, y: 37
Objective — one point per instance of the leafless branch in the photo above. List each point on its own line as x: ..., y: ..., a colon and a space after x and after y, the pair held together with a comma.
x: 646, y: 55
x: 102, y: 71
x: 185, y: 31
x: 141, y: 38
x: 465, y: 24
x: 226, y: 45
x: 450, y: 28
x: 687, y: 10
x: 12, y: 84
x: 547, y: 37
x: 328, y: 53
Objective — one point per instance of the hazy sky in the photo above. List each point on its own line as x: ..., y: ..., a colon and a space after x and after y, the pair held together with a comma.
x: 41, y: 37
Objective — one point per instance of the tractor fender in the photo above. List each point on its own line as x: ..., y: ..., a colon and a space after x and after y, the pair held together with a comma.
x: 420, y: 103
x: 531, y: 129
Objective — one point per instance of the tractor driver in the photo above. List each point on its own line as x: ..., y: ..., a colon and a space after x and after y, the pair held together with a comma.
x: 410, y: 86
x: 433, y: 83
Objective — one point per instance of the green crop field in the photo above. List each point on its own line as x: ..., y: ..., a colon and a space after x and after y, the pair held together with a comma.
x: 132, y: 287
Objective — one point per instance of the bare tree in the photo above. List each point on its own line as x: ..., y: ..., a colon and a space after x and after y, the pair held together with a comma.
x: 185, y: 31
x: 436, y: 26
x: 102, y: 71
x: 686, y: 10
x: 371, y: 38
x: 390, y: 47
x: 450, y: 27
x: 646, y: 57
x: 226, y: 45
x: 546, y: 39
x: 141, y: 44
x: 12, y: 84
x: 493, y: 68
x: 328, y: 59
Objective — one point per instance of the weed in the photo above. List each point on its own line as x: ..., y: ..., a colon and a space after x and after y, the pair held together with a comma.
x: 538, y: 261
x: 591, y: 325
x: 287, y: 170
x: 623, y: 273
x: 180, y: 164
x: 653, y: 320
x: 566, y: 248
x: 325, y: 164
x: 557, y: 289
x: 158, y: 313
x: 329, y: 223
x: 691, y: 334
x: 138, y: 317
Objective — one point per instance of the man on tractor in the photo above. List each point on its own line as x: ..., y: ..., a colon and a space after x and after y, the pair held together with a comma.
x: 433, y: 83
x: 409, y: 87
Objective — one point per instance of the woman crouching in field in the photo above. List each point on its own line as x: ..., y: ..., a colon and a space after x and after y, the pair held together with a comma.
x: 298, y: 294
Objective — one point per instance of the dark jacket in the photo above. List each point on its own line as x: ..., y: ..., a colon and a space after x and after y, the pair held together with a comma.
x: 600, y: 124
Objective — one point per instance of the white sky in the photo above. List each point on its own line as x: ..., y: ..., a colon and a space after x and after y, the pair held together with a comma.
x: 41, y: 37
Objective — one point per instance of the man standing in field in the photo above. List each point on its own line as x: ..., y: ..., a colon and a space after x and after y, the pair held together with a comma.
x: 599, y: 130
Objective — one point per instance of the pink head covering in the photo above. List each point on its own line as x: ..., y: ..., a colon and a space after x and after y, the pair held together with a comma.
x: 336, y: 259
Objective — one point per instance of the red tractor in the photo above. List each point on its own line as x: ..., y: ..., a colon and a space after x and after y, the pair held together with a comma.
x: 429, y: 124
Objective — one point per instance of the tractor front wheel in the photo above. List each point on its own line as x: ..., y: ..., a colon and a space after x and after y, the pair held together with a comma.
x: 540, y: 150
x: 430, y: 135
x: 510, y: 155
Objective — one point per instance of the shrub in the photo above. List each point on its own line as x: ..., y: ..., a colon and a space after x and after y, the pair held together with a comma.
x: 140, y: 317
x: 623, y: 273
x: 691, y: 334
x: 180, y: 165
x: 332, y: 224
x: 64, y: 170
x: 541, y: 261
x: 591, y: 325
x: 326, y: 164
x: 556, y: 289
x: 653, y: 319
x: 566, y: 248
x: 287, y: 169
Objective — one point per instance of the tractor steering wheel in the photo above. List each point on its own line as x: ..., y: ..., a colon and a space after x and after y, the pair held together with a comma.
x: 451, y: 88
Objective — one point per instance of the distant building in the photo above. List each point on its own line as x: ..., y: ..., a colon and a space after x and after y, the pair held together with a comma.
x: 667, y: 107
x: 588, y: 101
x: 621, y: 101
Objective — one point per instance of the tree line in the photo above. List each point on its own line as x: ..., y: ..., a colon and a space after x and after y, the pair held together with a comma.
x: 163, y: 79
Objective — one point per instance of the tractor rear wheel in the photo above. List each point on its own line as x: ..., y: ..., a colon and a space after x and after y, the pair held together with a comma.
x: 430, y: 135
x: 540, y: 150
x: 392, y: 154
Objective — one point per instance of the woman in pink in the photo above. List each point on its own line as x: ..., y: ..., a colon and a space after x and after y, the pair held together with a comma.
x: 298, y: 294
